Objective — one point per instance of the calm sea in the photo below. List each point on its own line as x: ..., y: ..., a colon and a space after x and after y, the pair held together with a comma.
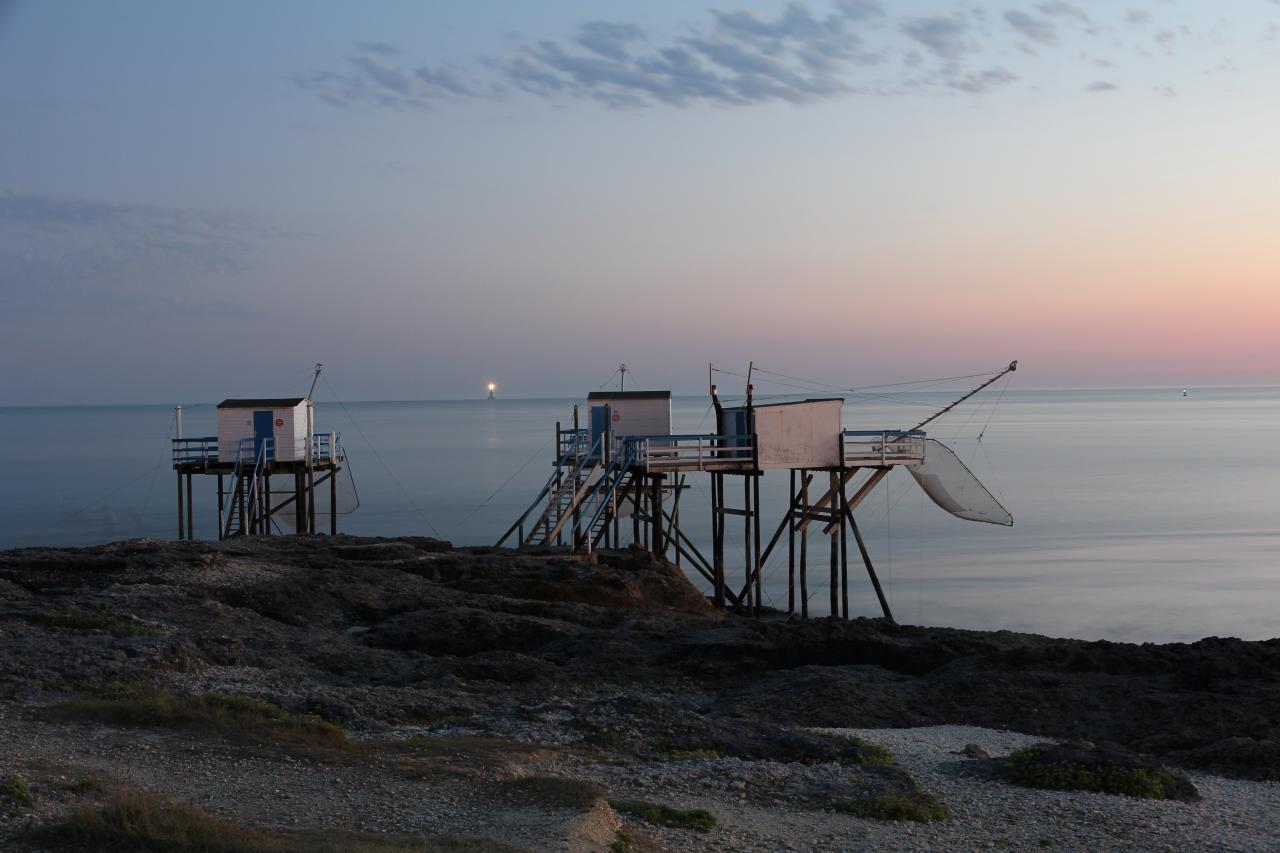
x: 1139, y: 514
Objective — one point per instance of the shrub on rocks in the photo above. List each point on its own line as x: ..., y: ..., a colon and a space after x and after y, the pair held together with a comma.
x: 919, y: 805
x: 660, y: 815
x: 1108, y: 770
x: 17, y: 792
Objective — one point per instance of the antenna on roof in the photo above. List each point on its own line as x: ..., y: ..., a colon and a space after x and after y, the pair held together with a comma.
x: 622, y: 369
x: 314, y: 380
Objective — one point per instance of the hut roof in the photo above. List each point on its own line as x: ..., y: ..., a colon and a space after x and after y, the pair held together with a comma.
x: 629, y: 395
x: 788, y: 403
x: 262, y: 403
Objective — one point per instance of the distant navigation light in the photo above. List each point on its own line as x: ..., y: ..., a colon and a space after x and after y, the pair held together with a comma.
x: 493, y: 386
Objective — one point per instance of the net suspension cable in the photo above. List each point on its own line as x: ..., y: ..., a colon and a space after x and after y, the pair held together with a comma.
x: 381, y: 461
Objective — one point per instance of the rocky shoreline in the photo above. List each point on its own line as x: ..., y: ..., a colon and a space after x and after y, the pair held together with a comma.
x: 456, y: 676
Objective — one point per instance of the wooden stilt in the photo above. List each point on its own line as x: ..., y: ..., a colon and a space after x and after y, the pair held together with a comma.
x: 791, y: 548
x: 835, y: 556
x: 191, y: 512
x: 266, y: 504
x: 299, y: 504
x: 659, y: 541
x: 244, y: 521
x: 844, y: 553
x: 717, y: 536
x: 746, y: 536
x: 333, y: 503
x: 311, y: 499
x: 182, y: 517
x: 221, y: 509
x: 757, y: 569
x: 804, y: 548
x: 871, y: 571
x: 675, y: 512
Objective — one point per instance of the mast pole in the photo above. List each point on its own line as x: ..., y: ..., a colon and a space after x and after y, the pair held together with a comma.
x: 1013, y: 365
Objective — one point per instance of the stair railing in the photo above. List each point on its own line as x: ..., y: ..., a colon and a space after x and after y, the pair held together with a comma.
x: 566, y: 458
x: 601, y: 495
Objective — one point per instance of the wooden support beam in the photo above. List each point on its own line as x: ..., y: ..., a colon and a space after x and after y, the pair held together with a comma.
x: 746, y: 539
x: 299, y: 504
x: 221, y: 509
x: 844, y: 557
x: 240, y: 503
x: 834, y: 533
x: 827, y: 498
x: 791, y: 510
x: 804, y: 550
x: 791, y: 547
x: 284, y: 503
x: 191, y: 511
x: 717, y: 537
x: 333, y: 503
x: 182, y: 516
x: 863, y: 491
x: 757, y: 567
x: 659, y: 541
x: 871, y: 571
x: 311, y: 498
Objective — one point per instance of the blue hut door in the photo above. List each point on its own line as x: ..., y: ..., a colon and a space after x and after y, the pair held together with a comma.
x: 263, y: 429
x: 599, y: 421
x: 736, y: 424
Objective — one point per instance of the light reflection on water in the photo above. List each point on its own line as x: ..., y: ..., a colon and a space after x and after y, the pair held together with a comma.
x: 1139, y: 515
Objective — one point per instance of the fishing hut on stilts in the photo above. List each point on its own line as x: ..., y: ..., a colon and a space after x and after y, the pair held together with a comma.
x: 628, y: 464
x: 261, y: 442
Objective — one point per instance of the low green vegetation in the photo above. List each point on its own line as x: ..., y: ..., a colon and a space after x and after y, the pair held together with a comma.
x: 623, y: 842
x: 868, y: 754
x: 920, y: 806
x: 693, y: 755
x: 84, y: 786
x: 660, y: 815
x: 16, y: 791
x: 136, y: 822
x: 93, y: 622
x: 230, y: 715
x: 1025, y: 768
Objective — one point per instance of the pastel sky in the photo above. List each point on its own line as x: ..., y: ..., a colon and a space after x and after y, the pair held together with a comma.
x: 200, y: 200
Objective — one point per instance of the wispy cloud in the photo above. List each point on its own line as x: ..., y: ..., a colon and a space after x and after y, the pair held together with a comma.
x: 943, y: 35
x: 375, y: 77
x: 740, y: 57
x: 1037, y: 29
x: 983, y: 81
x: 55, y: 246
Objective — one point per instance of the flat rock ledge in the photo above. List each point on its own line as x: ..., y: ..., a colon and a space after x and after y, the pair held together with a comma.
x: 443, y: 674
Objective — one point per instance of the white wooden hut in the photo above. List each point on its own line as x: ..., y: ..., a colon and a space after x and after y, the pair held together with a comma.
x: 800, y: 434
x: 282, y: 419
x: 630, y: 412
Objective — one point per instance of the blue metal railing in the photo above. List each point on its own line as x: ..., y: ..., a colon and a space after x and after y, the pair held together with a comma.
x: 572, y: 443
x: 570, y: 455
x: 882, y: 447
x: 600, y: 498
x: 689, y: 452
x: 193, y: 450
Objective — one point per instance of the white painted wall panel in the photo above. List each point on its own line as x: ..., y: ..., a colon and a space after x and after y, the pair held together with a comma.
x: 646, y: 416
x: 799, y: 435
x: 290, y: 437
